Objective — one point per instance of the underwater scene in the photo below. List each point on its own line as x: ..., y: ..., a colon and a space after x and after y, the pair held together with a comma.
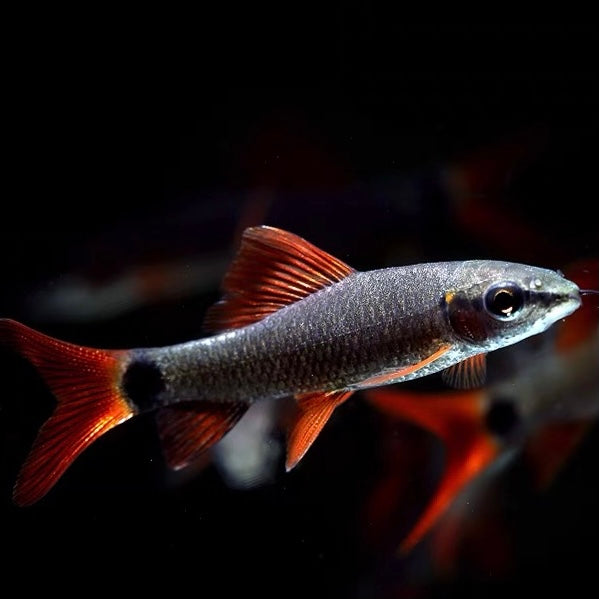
x: 292, y: 456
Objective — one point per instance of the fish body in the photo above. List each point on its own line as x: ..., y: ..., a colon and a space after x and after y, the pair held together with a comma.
x: 368, y: 325
x: 296, y: 321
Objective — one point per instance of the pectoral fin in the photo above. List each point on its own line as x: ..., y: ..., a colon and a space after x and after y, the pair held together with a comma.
x: 313, y: 412
x: 467, y: 374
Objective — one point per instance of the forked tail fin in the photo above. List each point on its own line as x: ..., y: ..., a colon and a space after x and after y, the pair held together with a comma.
x: 85, y: 382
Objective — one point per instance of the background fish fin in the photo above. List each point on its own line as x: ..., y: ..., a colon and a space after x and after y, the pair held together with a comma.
x: 468, y: 373
x: 187, y: 432
x: 313, y: 411
x: 272, y: 269
x: 481, y: 533
x: 458, y: 419
x: 547, y: 452
x: 464, y: 462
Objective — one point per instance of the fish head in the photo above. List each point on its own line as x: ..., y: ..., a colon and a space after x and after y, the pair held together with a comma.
x: 494, y: 304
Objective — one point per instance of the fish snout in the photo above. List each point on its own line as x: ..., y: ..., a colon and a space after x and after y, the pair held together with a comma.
x: 572, y: 298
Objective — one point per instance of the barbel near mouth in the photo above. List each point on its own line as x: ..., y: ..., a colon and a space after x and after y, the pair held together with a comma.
x: 589, y: 292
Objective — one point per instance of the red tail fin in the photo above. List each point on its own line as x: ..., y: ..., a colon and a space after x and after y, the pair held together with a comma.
x: 90, y: 403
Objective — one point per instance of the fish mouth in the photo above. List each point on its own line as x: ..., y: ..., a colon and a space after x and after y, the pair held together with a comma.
x: 562, y: 303
x: 574, y: 295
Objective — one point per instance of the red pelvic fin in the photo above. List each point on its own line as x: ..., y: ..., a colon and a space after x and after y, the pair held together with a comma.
x: 467, y: 374
x: 272, y: 269
x: 313, y: 412
x: 457, y: 418
x: 186, y: 432
x: 89, y: 403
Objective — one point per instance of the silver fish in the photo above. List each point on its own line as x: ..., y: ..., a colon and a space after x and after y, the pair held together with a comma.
x: 293, y: 321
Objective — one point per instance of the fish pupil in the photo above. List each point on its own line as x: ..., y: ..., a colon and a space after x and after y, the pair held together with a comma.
x: 502, y: 417
x: 143, y: 382
x: 504, y: 300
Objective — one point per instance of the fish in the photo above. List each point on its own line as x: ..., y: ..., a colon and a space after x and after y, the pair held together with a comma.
x: 538, y: 411
x: 294, y: 321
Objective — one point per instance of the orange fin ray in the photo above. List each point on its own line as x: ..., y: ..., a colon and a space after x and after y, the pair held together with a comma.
x: 457, y: 418
x: 314, y: 410
x: 272, y: 269
x: 89, y: 403
x: 384, y: 379
x: 187, y: 432
x: 467, y: 374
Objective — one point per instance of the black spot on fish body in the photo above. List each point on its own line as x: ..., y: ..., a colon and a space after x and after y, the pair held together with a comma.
x: 142, y: 383
x: 502, y: 418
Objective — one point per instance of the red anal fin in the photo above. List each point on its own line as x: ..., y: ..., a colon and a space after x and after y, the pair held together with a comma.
x: 314, y: 410
x: 272, y: 269
x: 548, y: 450
x: 187, y: 432
x: 467, y: 374
x: 89, y: 403
x: 384, y: 379
x: 457, y: 418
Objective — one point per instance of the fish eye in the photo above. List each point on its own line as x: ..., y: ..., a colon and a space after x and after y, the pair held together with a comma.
x: 504, y: 300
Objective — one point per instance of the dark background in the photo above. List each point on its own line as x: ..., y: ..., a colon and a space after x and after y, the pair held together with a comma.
x: 130, y: 144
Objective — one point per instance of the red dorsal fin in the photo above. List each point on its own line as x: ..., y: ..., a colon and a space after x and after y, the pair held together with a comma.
x: 187, y: 432
x: 468, y: 373
x: 272, y: 269
x: 313, y: 412
x: 457, y: 418
x: 85, y: 382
